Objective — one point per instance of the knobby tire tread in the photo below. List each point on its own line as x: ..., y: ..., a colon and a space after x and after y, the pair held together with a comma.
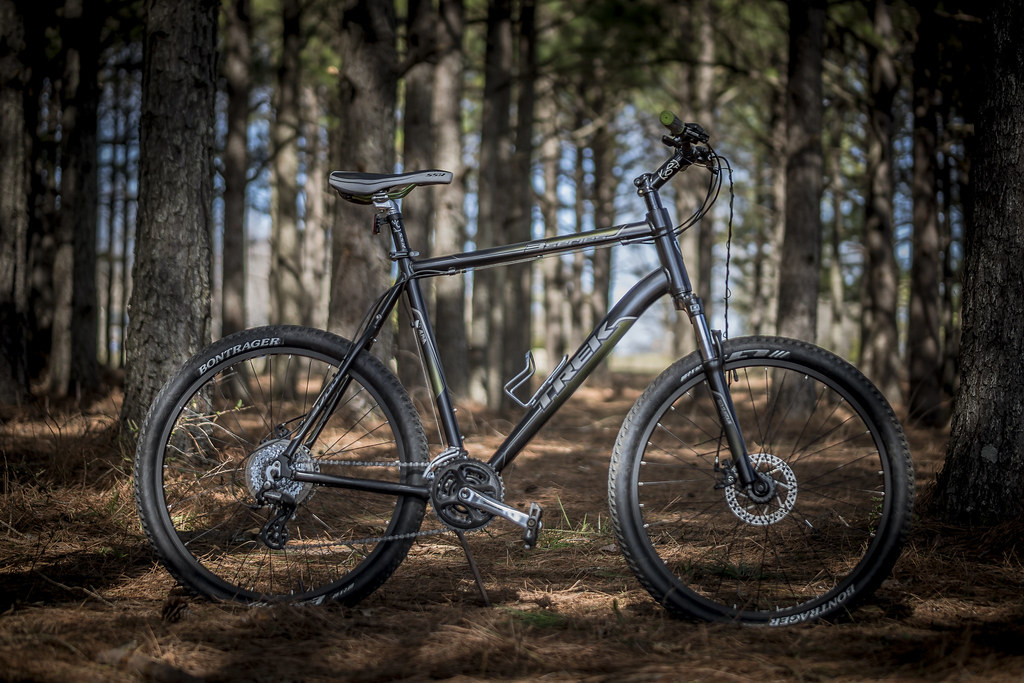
x: 627, y: 519
x: 179, y: 563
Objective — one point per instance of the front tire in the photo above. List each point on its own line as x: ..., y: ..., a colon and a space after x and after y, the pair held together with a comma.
x: 211, y: 437
x: 841, y: 478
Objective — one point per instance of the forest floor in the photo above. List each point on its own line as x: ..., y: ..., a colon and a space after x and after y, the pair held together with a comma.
x: 81, y: 598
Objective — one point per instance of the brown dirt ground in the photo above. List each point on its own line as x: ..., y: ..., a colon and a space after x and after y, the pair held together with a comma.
x: 81, y: 598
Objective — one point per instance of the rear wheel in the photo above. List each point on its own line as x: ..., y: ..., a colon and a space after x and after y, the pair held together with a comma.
x: 212, y: 499
x: 839, y: 476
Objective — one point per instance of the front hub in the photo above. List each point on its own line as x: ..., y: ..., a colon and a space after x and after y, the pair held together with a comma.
x: 770, y: 499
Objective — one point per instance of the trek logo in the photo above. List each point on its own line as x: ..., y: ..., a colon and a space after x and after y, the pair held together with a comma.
x: 237, y: 349
x: 586, y: 352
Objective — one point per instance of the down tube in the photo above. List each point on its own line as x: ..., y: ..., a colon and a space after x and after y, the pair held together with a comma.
x: 587, y: 357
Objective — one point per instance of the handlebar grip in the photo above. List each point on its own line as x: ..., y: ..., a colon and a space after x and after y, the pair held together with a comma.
x: 672, y: 122
x: 691, y: 132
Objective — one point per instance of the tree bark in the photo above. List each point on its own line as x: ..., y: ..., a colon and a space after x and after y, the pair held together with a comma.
x: 315, y: 249
x: 14, y: 206
x: 801, y: 244
x: 450, y: 231
x: 517, y: 323
x: 837, y: 335
x: 704, y: 91
x: 924, y: 346
x: 363, y: 141
x: 238, y: 81
x: 418, y: 210
x: 984, y: 467
x: 170, y: 304
x: 73, y: 359
x: 879, y: 335
x: 495, y: 205
x: 552, y: 269
x: 285, y: 243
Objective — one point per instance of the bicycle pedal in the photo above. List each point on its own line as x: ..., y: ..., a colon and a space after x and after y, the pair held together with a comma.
x: 533, y: 527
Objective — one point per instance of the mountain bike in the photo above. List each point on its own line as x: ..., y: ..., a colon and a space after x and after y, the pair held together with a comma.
x: 759, y: 480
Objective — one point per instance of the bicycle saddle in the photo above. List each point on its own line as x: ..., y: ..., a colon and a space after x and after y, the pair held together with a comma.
x: 360, y: 187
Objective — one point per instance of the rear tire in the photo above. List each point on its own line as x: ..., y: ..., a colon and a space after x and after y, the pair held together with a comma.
x: 842, y: 478
x: 213, y: 432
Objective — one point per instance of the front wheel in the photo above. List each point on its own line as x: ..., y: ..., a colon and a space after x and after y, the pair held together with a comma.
x: 208, y: 483
x: 823, y: 439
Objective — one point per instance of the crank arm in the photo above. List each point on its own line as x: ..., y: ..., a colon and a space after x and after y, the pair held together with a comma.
x: 530, y: 522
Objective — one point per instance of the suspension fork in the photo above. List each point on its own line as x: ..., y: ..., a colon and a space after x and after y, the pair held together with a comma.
x: 684, y: 299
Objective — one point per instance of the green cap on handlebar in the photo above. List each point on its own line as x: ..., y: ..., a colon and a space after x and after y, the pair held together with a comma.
x: 672, y: 122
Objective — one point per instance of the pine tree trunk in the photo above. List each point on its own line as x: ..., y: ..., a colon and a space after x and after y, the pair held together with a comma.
x: 686, y: 192
x: 838, y: 339
x: 603, y: 199
x: 924, y: 347
x: 285, y: 243
x: 517, y: 323
x: 984, y: 469
x: 450, y: 233
x: 951, y: 286
x: 603, y: 147
x: 801, y: 245
x: 879, y: 335
x: 315, y: 249
x: 73, y: 355
x: 551, y: 268
x: 364, y: 141
x: 704, y: 91
x: 759, y: 293
x: 14, y: 208
x: 494, y: 203
x: 170, y: 304
x: 42, y: 116
x: 418, y: 209
x: 237, y: 58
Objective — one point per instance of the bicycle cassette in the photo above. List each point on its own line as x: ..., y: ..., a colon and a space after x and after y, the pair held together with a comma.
x: 453, y: 477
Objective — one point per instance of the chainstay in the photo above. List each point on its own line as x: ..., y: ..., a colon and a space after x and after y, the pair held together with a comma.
x: 377, y: 539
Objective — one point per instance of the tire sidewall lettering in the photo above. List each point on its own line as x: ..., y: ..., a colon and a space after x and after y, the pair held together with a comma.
x: 232, y: 351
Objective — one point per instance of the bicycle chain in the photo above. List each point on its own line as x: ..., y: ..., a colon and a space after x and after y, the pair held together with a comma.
x: 372, y: 463
x: 378, y: 539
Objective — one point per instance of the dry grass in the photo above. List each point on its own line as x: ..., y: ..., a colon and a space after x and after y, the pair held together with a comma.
x: 81, y: 599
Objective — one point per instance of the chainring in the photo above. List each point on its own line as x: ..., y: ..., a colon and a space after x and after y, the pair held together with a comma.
x: 452, y: 477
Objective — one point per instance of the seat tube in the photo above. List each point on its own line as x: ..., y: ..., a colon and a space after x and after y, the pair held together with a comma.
x: 422, y: 327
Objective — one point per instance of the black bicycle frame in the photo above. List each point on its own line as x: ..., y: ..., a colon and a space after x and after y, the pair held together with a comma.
x: 671, y: 279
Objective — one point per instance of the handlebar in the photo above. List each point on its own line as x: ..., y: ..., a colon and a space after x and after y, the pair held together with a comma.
x: 682, y: 132
x: 688, y: 141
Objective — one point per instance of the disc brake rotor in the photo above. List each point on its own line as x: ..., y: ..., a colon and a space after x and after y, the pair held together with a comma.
x: 263, y: 474
x: 775, y: 508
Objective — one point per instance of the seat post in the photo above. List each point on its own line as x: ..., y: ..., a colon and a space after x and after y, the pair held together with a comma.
x: 388, y: 214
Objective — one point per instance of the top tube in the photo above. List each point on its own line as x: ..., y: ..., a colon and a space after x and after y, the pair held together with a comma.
x: 533, y: 249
